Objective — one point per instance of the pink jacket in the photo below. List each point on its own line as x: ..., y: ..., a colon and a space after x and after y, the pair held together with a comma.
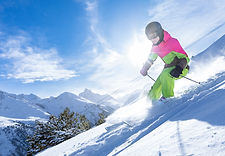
x: 168, y: 45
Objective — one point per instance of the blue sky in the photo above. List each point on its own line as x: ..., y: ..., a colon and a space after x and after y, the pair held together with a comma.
x: 51, y: 46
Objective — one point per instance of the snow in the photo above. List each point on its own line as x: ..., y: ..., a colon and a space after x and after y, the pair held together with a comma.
x: 190, y: 124
x: 191, y: 137
x: 4, y: 122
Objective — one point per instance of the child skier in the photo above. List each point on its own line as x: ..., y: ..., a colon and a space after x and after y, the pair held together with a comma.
x: 172, y: 54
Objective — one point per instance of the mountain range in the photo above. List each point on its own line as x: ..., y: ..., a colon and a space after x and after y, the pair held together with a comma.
x: 18, y: 113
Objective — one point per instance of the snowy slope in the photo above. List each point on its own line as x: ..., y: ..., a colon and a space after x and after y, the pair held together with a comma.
x: 216, y: 49
x: 190, y: 124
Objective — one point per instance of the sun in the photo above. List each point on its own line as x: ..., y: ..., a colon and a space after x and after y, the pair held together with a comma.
x: 138, y: 49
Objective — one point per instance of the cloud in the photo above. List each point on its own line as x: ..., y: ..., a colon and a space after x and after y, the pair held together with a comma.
x: 189, y: 20
x: 92, y: 13
x: 29, y: 63
x: 90, y: 6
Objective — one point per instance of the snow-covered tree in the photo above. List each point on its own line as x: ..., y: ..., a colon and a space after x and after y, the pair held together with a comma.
x: 101, y: 119
x: 56, y: 130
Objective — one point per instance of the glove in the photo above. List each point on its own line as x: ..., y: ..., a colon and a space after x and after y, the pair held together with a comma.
x: 145, y: 68
x: 176, y: 71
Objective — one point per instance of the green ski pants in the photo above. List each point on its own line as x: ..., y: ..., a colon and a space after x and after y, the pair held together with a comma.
x: 164, y: 85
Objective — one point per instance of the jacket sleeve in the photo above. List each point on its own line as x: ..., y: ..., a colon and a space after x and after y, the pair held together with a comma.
x: 152, y: 57
x: 177, y: 55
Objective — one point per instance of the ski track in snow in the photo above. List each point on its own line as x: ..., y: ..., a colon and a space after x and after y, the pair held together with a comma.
x: 119, y: 137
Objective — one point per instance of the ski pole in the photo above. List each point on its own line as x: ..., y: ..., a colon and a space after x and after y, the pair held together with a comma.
x: 181, y: 75
x: 150, y: 77
x: 190, y: 79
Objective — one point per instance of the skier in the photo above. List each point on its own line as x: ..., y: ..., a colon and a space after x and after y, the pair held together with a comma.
x: 175, y: 59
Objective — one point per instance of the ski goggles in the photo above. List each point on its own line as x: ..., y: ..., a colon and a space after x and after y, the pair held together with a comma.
x: 152, y: 36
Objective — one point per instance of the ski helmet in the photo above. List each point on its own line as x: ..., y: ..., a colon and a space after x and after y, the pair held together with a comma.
x: 153, y: 30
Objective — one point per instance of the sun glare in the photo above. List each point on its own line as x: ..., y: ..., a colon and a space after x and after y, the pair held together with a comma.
x: 138, y: 49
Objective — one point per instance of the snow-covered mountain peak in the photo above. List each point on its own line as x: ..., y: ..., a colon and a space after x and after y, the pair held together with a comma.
x: 87, y: 91
x: 2, y: 94
x: 5, y: 94
x: 30, y: 97
x: 67, y: 95
x: 22, y: 97
x: 105, y: 101
x: 95, y: 97
x: 88, y: 94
